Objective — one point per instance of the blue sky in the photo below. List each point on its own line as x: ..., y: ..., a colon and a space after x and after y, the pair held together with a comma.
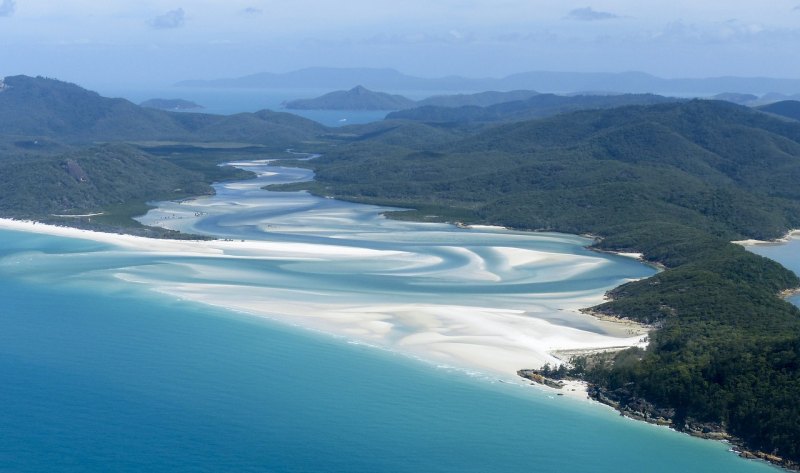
x: 161, y: 41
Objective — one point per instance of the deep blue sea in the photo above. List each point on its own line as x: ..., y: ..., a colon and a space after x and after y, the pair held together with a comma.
x: 101, y: 374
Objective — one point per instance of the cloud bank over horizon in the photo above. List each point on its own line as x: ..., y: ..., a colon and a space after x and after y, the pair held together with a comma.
x: 7, y: 7
x: 159, y: 41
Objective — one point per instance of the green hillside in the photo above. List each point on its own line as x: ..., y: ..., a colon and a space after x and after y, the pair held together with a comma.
x: 535, y: 106
x: 52, y: 161
x: 675, y: 181
x: 35, y: 109
x: 357, y: 98
x: 480, y: 99
x: 786, y: 108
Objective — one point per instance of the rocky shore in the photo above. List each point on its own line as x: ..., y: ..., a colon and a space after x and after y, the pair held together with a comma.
x: 640, y: 409
x: 637, y: 408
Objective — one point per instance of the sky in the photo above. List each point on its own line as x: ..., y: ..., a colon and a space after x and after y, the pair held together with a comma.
x: 158, y: 42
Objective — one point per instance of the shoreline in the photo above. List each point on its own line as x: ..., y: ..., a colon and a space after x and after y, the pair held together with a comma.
x: 640, y: 410
x: 627, y: 254
x: 778, y: 241
x: 499, y: 341
x: 791, y: 234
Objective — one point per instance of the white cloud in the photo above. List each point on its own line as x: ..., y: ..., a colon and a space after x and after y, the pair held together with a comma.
x: 170, y: 19
x: 725, y: 32
x: 590, y: 14
x: 453, y: 36
x: 7, y: 7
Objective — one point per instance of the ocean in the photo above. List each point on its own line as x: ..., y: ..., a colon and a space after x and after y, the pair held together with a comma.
x: 110, y: 361
x: 231, y: 101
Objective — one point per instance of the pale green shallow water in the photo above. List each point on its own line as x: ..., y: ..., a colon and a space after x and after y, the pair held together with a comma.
x: 99, y: 374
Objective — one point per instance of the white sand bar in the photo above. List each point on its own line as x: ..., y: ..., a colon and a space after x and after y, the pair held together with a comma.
x: 501, y: 334
x: 481, y: 298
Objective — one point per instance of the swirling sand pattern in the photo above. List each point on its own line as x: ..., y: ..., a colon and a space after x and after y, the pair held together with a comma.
x: 482, y: 298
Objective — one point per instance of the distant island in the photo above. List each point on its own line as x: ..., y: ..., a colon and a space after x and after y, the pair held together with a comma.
x: 171, y: 104
x: 464, y: 108
x: 357, y: 98
x: 549, y: 81
x: 361, y: 98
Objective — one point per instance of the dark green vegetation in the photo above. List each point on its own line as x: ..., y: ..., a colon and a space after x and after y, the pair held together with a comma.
x: 90, y: 179
x: 676, y: 181
x: 357, y: 98
x: 66, y: 151
x: 480, y: 99
x: 360, y: 98
x: 170, y: 104
x: 786, y: 108
x: 463, y: 109
x: 42, y: 110
x: 536, y: 106
x: 104, y: 186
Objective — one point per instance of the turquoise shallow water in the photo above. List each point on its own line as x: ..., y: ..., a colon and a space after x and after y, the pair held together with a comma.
x: 102, y: 374
x: 115, y: 378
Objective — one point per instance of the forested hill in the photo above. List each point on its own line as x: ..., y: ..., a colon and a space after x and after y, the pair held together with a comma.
x: 716, y: 166
x: 360, y: 98
x: 786, y: 108
x: 357, y: 98
x: 535, y: 106
x: 52, y: 161
x: 480, y: 99
x: 675, y: 181
x: 40, y: 108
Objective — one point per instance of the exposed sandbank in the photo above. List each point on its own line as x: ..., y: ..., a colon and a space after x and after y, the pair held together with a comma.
x: 778, y: 241
x: 497, y: 340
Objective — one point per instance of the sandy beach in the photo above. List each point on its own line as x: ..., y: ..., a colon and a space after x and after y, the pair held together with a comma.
x: 490, y: 339
x: 778, y: 241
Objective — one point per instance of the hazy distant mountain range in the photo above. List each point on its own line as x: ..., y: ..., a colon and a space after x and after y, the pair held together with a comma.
x: 390, y: 79
x: 361, y: 98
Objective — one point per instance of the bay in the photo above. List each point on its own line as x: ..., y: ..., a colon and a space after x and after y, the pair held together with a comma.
x: 222, y: 101
x: 787, y: 254
x: 107, y: 366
